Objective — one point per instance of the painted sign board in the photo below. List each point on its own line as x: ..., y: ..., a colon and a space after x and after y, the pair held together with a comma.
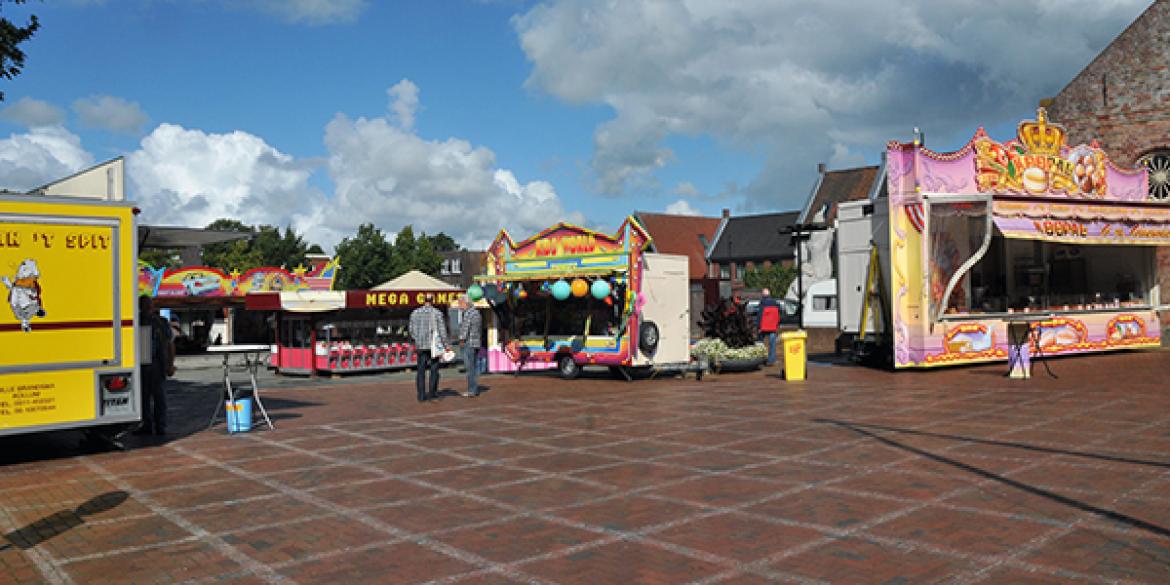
x: 68, y: 274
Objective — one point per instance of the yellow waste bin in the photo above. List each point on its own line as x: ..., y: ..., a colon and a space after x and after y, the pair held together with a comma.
x: 794, y: 354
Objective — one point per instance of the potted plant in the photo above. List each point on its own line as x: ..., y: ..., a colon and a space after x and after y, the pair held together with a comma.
x: 730, y: 342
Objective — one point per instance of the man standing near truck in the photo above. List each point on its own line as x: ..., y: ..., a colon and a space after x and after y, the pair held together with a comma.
x: 768, y: 323
x: 155, y: 373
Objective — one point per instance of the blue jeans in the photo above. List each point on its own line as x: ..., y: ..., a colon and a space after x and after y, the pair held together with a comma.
x: 770, y: 339
x: 472, y: 364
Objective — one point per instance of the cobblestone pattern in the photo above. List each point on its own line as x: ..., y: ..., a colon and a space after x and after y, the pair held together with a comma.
x: 956, y: 476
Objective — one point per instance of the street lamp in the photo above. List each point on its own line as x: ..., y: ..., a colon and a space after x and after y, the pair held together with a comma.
x: 797, y: 233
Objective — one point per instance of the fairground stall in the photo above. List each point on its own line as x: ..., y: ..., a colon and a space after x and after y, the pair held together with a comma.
x: 569, y: 297
x: 341, y: 332
x: 974, y: 243
x: 201, y: 302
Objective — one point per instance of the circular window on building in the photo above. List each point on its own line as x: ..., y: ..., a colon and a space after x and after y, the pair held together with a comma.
x: 1158, y: 163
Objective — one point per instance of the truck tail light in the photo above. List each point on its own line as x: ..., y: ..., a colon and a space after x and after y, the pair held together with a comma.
x: 116, y: 382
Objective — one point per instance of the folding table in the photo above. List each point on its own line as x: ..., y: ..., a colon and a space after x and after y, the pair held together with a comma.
x: 253, y: 356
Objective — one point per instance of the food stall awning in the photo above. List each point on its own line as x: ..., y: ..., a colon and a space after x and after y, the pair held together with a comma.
x: 416, y: 281
x: 151, y: 236
x: 552, y: 275
x: 1083, y: 222
x: 308, y: 301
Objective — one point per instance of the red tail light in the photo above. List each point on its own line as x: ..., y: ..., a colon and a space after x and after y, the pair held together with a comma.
x: 116, y: 383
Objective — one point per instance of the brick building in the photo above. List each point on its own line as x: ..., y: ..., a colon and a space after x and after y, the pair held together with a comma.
x: 1122, y: 100
x: 748, y: 241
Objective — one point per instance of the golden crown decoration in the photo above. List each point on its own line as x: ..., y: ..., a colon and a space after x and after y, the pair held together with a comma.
x: 1040, y: 137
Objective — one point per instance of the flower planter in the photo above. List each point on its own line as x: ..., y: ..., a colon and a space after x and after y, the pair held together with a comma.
x: 748, y: 365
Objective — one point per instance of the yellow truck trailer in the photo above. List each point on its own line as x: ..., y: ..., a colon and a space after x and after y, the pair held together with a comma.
x: 69, y: 350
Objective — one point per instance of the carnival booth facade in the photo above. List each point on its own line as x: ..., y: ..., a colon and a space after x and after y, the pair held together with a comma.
x: 344, y: 332
x: 570, y: 297
x: 1027, y: 243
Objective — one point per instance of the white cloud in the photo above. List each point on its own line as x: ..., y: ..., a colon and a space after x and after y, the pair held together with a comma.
x: 190, y: 177
x: 392, y: 177
x: 686, y: 189
x: 111, y: 113
x: 314, y: 12
x: 33, y: 113
x: 801, y: 82
x: 383, y: 173
x: 40, y: 156
x: 404, y: 102
x: 682, y: 207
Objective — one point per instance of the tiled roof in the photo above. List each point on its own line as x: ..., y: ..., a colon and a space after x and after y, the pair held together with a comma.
x: 679, y: 234
x: 755, y: 238
x: 838, y: 187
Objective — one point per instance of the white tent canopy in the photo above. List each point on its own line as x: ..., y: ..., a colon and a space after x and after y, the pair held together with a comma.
x: 415, y: 280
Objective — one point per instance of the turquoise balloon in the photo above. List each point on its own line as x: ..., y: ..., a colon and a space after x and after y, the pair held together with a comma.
x: 600, y: 289
x: 475, y: 292
x: 561, y: 290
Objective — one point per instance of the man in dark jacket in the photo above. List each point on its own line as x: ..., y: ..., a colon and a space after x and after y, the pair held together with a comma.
x: 768, y: 322
x: 470, y: 329
x: 153, y: 375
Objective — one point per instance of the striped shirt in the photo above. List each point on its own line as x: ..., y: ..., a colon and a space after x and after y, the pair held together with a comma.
x: 470, y: 326
x: 424, y: 321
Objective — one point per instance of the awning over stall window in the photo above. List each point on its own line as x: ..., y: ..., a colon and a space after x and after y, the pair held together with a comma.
x: 1083, y: 222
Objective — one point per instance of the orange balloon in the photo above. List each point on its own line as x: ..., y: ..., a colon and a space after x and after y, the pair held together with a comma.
x: 580, y: 288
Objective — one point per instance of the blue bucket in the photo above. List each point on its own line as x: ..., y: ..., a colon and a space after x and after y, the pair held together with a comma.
x: 239, y: 415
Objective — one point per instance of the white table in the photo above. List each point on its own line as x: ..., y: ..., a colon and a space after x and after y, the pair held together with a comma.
x: 253, y: 356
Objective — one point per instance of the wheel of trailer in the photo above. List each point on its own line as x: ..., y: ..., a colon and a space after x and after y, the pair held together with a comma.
x: 648, y: 337
x: 568, y: 367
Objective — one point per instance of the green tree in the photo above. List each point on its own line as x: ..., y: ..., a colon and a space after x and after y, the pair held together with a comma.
x: 228, y: 256
x: 442, y: 242
x: 277, y: 249
x: 776, y: 278
x: 316, y: 249
x: 11, y: 36
x: 366, y: 259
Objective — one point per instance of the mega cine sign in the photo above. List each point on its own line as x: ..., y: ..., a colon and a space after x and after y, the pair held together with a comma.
x: 397, y: 299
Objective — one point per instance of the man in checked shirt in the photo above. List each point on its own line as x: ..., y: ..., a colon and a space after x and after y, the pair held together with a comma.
x: 426, y: 322
x: 470, y: 329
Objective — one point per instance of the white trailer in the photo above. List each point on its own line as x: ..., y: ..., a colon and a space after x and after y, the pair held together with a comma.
x: 863, y: 232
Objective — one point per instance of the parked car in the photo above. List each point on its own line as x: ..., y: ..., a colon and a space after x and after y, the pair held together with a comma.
x: 788, y: 310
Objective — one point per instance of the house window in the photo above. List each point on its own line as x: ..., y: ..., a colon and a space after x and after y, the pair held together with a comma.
x: 1158, y: 163
x: 724, y: 272
x: 451, y: 267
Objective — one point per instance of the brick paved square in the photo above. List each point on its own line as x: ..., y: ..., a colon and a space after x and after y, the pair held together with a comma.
x: 543, y: 493
x: 630, y: 476
x: 516, y: 539
x: 437, y: 513
x: 299, y: 539
x: 1108, y: 556
x: 404, y: 562
x: 628, y: 513
x: 737, y: 536
x: 623, y: 562
x: 961, y: 530
x: 721, y: 490
x: 827, y: 508
x: 791, y: 477
x: 170, y: 564
x: 475, y: 476
x: 854, y: 560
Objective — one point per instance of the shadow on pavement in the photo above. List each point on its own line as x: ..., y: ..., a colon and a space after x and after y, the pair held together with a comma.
x: 1131, y: 521
x: 61, y: 522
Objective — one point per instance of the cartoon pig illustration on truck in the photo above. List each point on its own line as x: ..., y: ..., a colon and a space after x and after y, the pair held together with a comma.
x: 24, y: 293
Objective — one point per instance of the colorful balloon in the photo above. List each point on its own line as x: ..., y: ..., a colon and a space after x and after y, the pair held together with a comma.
x: 523, y: 294
x: 580, y: 288
x: 561, y: 290
x: 475, y: 292
x: 600, y: 289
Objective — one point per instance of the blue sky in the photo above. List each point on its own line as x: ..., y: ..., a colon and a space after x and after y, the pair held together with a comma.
x: 514, y: 114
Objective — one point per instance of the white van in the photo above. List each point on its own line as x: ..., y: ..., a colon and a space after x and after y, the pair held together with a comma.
x: 820, y: 304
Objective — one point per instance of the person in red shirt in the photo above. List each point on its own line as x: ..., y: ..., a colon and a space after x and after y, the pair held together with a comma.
x: 768, y: 323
